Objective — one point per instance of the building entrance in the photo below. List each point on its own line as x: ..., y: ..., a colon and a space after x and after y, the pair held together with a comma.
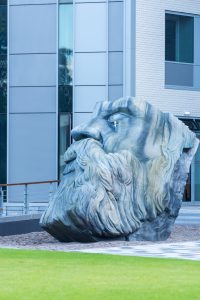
x: 192, y: 188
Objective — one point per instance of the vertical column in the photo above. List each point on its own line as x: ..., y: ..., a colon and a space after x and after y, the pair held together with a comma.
x: 195, y: 167
x: 129, y: 47
x: 196, y: 52
x: 115, y: 48
x: 3, y: 91
x: 196, y: 175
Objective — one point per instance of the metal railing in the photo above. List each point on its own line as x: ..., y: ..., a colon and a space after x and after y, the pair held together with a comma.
x: 25, y: 206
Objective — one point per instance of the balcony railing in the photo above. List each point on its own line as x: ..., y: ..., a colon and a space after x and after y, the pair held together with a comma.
x: 28, y: 201
x: 182, y: 75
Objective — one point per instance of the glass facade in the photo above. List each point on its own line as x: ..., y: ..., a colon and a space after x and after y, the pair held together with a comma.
x: 65, y: 78
x: 192, y: 189
x: 197, y: 174
x: 3, y: 90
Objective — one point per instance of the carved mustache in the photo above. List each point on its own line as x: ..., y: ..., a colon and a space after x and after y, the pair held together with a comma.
x: 73, y: 153
x: 82, y: 152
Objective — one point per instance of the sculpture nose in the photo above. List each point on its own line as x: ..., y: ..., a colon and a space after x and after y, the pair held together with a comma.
x: 86, y: 130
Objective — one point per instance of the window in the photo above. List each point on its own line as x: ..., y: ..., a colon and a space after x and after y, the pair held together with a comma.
x: 182, y: 51
x: 65, y: 78
x: 179, y: 38
x: 3, y: 91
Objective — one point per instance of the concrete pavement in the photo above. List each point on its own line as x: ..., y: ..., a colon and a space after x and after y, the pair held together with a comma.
x: 189, y: 215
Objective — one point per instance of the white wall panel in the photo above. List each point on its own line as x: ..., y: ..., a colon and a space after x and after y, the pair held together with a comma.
x: 87, y: 96
x: 33, y: 29
x: 150, y: 57
x: 33, y: 70
x: 80, y: 118
x: 32, y: 99
x: 116, y: 26
x: 20, y: 2
x: 115, y: 68
x: 90, y: 27
x: 32, y: 147
x: 91, y: 1
x: 94, y: 1
x: 90, y: 68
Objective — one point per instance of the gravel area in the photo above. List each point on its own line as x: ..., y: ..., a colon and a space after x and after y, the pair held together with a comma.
x: 44, y: 241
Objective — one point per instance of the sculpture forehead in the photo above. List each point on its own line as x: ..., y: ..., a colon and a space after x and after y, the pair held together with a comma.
x: 150, y: 115
x: 131, y: 106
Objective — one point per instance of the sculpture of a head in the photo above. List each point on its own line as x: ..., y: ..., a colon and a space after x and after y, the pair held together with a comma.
x: 124, y: 177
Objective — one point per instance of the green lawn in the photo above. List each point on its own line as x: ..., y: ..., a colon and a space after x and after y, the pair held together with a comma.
x: 27, y: 275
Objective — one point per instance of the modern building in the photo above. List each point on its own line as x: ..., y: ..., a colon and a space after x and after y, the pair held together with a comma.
x: 58, y: 58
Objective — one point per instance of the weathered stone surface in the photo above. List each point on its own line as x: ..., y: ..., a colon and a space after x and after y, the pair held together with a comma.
x: 124, y: 177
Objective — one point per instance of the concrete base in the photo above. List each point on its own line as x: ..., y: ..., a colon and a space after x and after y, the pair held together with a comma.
x: 19, y: 224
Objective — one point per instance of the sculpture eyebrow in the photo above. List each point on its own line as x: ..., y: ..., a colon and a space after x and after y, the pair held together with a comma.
x: 111, y: 112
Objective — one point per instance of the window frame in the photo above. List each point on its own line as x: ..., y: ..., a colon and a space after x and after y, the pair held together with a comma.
x: 195, y: 86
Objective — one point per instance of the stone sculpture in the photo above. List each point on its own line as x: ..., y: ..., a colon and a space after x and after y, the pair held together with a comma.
x: 124, y: 177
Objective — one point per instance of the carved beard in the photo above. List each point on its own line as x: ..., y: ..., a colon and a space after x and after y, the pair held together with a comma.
x: 97, y: 197
x: 114, y: 195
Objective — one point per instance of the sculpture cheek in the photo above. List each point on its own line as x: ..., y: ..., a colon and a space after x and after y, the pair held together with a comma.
x: 110, y: 143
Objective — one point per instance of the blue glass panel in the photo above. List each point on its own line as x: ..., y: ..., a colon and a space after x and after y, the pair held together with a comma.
x: 64, y: 138
x: 170, y: 40
x: 186, y: 39
x: 65, y: 44
x: 3, y: 83
x: 65, y: 98
x: 65, y: 66
x: 179, y: 38
x: 3, y: 29
x: 65, y: 79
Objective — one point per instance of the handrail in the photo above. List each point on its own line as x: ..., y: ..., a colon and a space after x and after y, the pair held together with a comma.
x: 26, y: 204
x: 28, y: 183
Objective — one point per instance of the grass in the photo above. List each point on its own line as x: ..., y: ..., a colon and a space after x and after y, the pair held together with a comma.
x: 41, y: 275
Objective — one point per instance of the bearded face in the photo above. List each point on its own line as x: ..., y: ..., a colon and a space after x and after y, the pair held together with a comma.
x: 124, y: 176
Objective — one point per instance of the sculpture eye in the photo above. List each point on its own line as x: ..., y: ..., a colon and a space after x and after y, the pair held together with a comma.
x: 115, y: 120
x: 113, y: 123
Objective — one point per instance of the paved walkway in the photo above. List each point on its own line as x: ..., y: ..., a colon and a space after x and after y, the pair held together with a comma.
x: 184, y: 250
x: 187, y: 250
